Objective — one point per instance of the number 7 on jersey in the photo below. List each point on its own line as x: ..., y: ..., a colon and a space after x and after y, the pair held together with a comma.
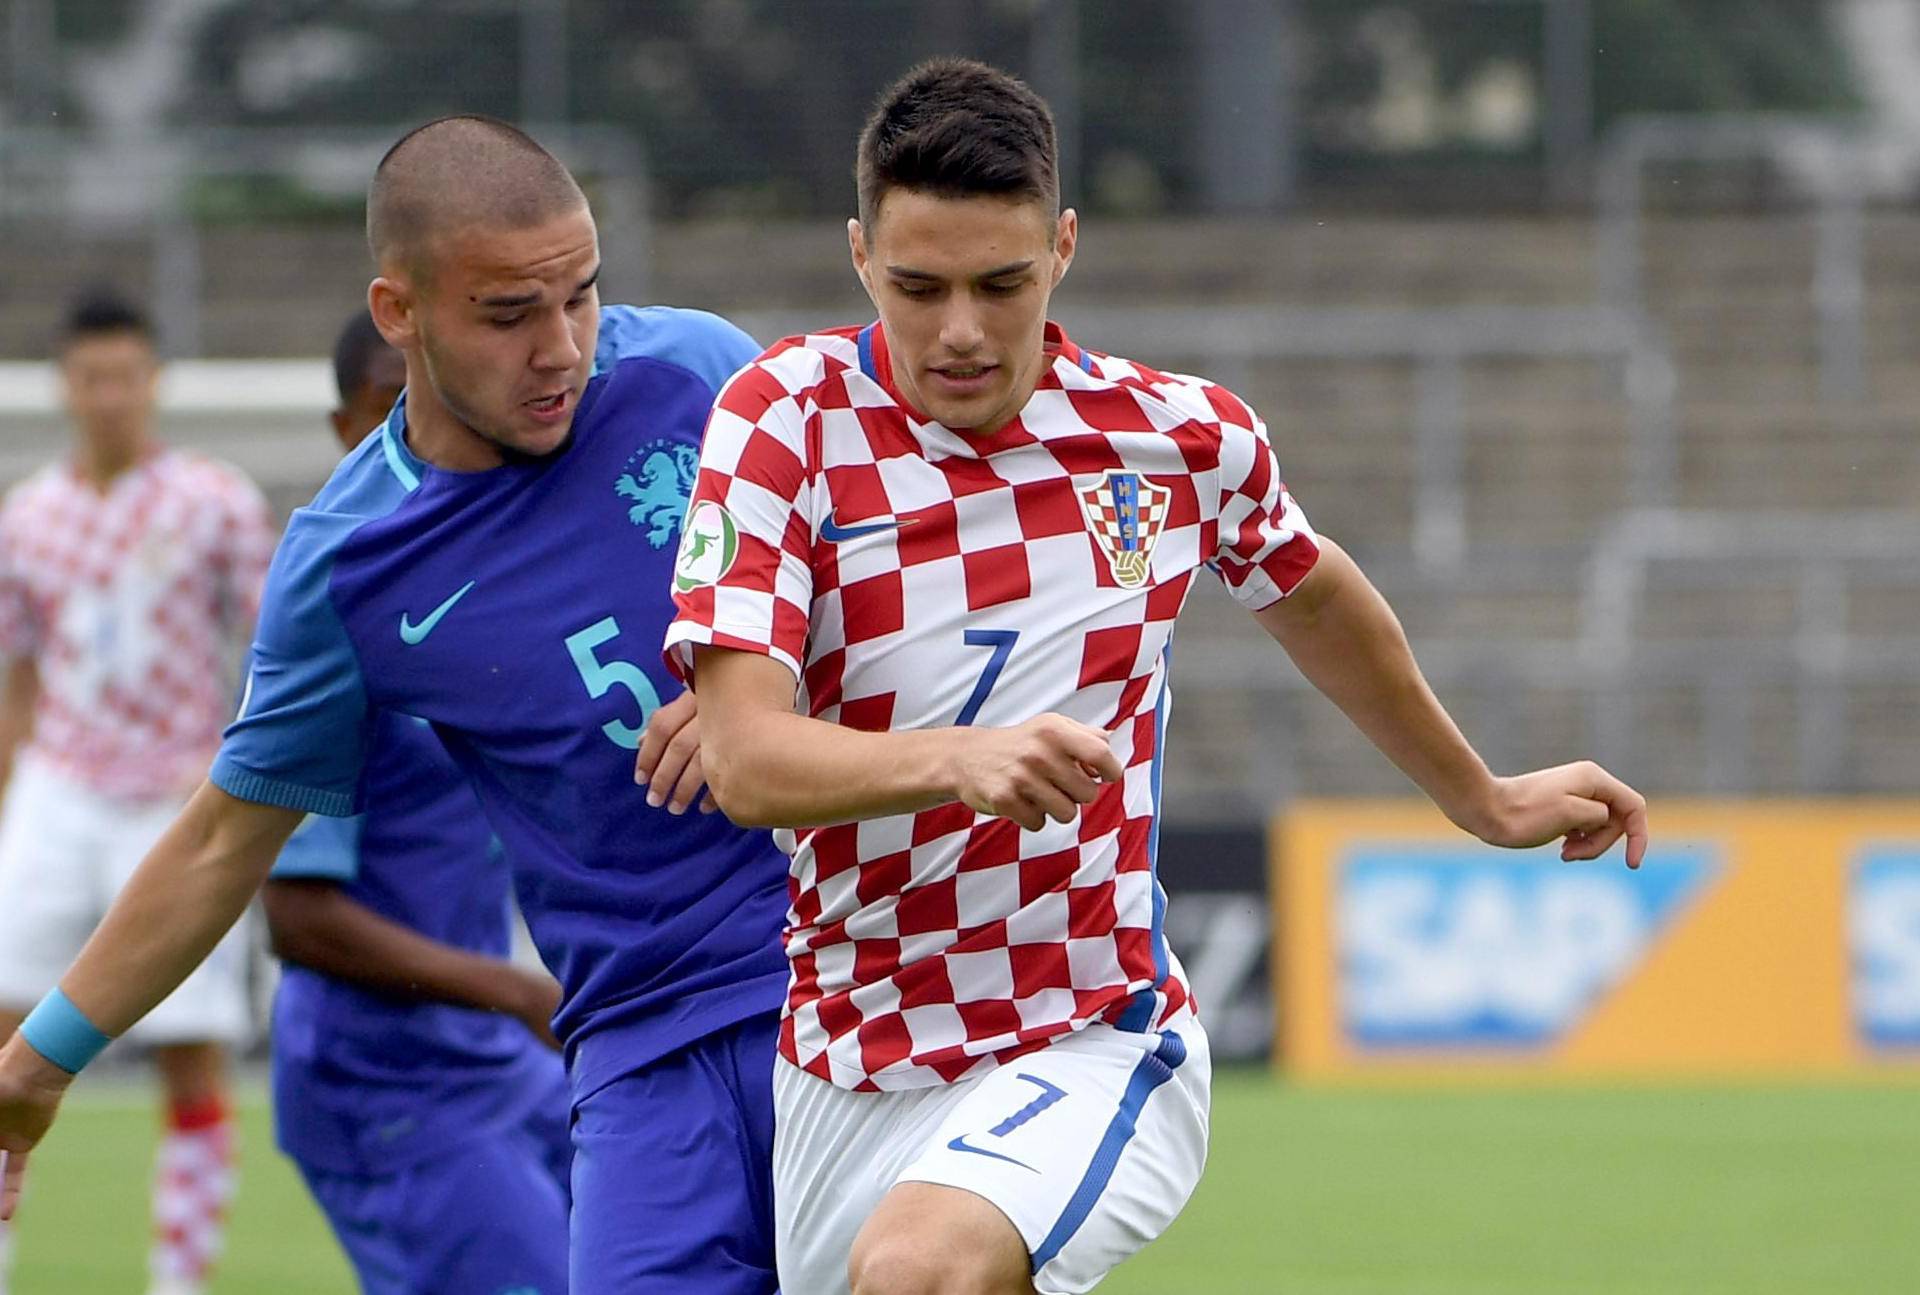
x: 1001, y: 641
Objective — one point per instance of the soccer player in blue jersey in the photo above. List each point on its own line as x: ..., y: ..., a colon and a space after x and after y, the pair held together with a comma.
x: 496, y: 560
x: 415, y: 1081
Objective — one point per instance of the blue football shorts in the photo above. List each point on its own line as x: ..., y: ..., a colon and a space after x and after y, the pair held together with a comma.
x: 486, y: 1217
x: 673, y: 1172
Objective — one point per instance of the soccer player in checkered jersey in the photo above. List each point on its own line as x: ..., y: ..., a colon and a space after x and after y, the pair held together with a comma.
x: 130, y: 575
x: 965, y: 539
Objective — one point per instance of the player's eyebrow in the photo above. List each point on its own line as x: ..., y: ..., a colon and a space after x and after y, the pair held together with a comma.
x: 927, y: 276
x: 508, y: 302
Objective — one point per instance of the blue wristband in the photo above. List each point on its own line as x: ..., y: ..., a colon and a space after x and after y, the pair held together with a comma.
x: 61, y: 1033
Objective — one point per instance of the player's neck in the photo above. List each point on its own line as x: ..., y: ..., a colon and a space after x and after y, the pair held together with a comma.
x: 436, y: 435
x: 102, y: 462
x: 1008, y: 414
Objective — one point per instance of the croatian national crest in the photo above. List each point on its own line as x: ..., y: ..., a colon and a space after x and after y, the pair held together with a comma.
x: 659, y: 486
x: 1126, y: 513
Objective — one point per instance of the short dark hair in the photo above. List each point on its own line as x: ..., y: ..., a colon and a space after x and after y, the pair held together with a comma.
x: 101, y: 312
x: 957, y: 128
x: 353, y: 354
x: 459, y: 171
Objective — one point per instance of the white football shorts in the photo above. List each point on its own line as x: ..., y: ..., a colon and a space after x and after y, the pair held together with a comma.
x: 65, y: 852
x: 1090, y: 1147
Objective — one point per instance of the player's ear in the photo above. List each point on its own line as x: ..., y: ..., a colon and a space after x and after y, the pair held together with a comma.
x: 857, y: 246
x: 390, y: 302
x: 1065, y: 238
x: 863, y: 264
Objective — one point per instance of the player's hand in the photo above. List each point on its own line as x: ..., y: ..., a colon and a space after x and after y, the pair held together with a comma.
x: 668, y: 764
x: 538, y: 1000
x: 1043, y: 769
x: 30, y: 1091
x: 1580, y: 802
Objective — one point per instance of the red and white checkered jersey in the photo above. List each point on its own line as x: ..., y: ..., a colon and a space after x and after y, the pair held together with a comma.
x: 915, y: 577
x: 135, y: 603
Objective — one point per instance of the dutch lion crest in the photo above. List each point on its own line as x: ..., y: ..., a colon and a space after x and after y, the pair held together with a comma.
x: 659, y: 487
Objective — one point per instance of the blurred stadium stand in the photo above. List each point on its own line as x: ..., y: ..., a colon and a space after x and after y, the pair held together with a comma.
x: 1501, y: 321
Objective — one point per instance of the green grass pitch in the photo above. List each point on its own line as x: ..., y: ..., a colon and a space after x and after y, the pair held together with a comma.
x: 1649, y: 1191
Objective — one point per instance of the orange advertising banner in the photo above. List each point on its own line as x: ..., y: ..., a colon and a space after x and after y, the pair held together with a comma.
x: 1759, y: 938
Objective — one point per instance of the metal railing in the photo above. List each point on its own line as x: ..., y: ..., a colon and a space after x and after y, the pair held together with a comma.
x: 41, y: 169
x: 1439, y: 342
x: 1614, y: 659
x: 1814, y: 554
x: 1623, y: 659
x: 1824, y: 152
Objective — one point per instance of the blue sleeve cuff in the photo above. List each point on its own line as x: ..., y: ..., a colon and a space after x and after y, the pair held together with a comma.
x: 61, y: 1033
x: 229, y: 776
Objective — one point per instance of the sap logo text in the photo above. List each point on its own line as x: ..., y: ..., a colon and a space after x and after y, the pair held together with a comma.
x: 1884, y: 921
x: 1476, y: 948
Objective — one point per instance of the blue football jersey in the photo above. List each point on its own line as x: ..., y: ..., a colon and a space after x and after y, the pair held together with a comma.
x: 520, y: 611
x: 364, y: 1082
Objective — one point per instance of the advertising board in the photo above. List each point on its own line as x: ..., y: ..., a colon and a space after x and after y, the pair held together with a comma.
x: 1757, y: 938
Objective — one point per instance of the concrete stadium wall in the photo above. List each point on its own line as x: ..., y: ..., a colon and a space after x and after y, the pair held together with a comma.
x: 1547, y: 443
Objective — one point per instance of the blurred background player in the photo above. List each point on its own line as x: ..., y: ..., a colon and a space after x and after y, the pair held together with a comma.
x: 130, y: 575
x: 368, y: 377
x: 966, y: 540
x: 416, y: 1082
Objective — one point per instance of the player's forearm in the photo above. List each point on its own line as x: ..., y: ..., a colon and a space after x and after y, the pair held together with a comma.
x: 1346, y: 640
x: 767, y: 766
x: 315, y: 925
x: 188, y: 892
x: 774, y: 769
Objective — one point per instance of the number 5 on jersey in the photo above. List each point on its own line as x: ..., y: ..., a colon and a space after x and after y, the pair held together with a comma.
x: 601, y: 677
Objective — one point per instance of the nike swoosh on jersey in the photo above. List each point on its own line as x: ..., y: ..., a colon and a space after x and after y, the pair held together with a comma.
x: 834, y: 533
x: 414, y: 635
x: 961, y: 1144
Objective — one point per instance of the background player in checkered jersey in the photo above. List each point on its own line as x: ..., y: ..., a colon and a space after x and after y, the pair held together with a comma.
x: 130, y: 575
x: 967, y: 539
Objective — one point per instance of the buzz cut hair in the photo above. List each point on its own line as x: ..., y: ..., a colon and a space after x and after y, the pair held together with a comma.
x: 957, y: 128
x: 457, y: 173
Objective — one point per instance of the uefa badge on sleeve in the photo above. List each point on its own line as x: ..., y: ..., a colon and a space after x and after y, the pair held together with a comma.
x: 1126, y: 513
x: 709, y: 542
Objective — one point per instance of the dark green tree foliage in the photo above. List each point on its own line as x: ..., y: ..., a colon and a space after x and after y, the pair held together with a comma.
x: 88, y: 21
x: 412, y: 60
x: 1136, y: 70
x: 1717, y: 56
x: 753, y: 105
x: 1646, y: 55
